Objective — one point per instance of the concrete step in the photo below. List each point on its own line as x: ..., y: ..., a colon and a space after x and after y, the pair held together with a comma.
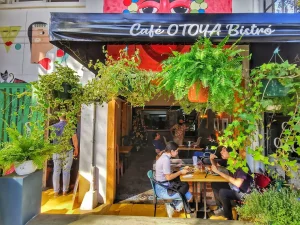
x: 50, y: 219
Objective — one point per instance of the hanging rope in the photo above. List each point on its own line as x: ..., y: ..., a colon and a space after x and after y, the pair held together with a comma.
x: 276, y: 53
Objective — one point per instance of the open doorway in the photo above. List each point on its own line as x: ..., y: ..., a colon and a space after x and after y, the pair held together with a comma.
x: 158, y: 116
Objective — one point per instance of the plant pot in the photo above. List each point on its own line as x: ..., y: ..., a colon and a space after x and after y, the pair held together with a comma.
x: 64, y: 95
x: 274, y: 89
x: 25, y: 168
x: 198, y: 93
x: 156, y: 82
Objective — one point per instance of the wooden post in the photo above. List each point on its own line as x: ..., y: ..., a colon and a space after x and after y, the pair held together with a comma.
x: 124, y: 120
x: 111, y: 152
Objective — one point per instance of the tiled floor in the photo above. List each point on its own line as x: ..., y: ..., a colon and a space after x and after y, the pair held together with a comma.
x: 63, y: 205
x: 135, y: 186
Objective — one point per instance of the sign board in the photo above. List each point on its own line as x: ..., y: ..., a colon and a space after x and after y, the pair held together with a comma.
x: 173, y: 28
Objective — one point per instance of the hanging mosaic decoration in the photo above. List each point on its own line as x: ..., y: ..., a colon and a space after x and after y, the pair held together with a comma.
x: 164, y: 6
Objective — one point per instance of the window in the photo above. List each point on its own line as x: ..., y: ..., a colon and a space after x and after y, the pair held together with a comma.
x: 286, y: 6
x: 46, y: 0
x: 281, y: 6
x: 62, y: 0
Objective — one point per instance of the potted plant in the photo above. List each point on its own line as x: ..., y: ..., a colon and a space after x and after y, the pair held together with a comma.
x: 216, y: 68
x: 272, y: 207
x: 121, y: 77
x: 248, y: 120
x: 65, y: 93
x: 57, y: 93
x: 198, y: 93
x: 26, y: 152
x: 60, y: 84
x: 273, y: 77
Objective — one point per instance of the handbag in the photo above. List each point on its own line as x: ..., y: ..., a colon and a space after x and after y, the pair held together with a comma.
x: 174, y: 185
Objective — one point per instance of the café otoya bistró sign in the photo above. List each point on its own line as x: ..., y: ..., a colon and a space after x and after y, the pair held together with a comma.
x: 173, y: 28
x: 205, y: 30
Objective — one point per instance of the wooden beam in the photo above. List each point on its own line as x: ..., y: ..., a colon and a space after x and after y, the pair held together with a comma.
x: 111, y: 152
x: 129, y: 118
x: 124, y: 120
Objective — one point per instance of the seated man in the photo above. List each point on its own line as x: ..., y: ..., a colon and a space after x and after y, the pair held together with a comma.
x: 212, y: 142
x: 159, y: 145
x: 239, y: 185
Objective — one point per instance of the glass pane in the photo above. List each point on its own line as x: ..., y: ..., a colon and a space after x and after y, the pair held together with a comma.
x: 29, y: 1
x: 285, y: 6
x: 63, y: 0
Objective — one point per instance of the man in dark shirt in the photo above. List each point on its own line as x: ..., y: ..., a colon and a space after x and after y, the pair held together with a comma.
x: 212, y: 141
x: 158, y: 143
x: 239, y: 185
x: 63, y: 161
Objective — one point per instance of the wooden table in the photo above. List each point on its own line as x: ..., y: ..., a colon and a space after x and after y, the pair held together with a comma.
x: 200, y: 178
x: 186, y: 148
x: 125, y: 149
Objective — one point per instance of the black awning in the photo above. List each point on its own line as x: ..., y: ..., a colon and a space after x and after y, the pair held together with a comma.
x: 83, y: 35
x: 173, y: 28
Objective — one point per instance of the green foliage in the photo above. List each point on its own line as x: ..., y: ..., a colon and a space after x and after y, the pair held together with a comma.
x: 249, y: 116
x: 216, y: 66
x: 120, y: 77
x: 116, y: 77
x: 271, y: 207
x: 21, y: 148
x: 188, y: 106
x: 51, y: 107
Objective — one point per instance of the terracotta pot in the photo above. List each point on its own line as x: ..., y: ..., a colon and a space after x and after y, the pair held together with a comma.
x: 198, y: 93
x: 156, y: 82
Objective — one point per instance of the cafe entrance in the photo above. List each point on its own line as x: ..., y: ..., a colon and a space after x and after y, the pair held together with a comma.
x: 90, y: 50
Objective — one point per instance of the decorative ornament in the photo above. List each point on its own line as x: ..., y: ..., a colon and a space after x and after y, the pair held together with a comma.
x: 133, y: 7
x: 203, y: 5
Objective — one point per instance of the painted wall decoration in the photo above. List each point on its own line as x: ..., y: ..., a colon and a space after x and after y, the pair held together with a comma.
x: 152, y: 55
x: 38, y: 36
x: 9, y: 78
x: 8, y: 35
x: 167, y: 6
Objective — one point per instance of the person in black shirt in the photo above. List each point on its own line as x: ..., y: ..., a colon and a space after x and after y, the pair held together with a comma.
x: 159, y: 145
x: 239, y: 184
x: 212, y: 141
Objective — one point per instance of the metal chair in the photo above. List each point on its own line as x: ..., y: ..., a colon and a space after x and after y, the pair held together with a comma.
x: 197, y: 142
x: 165, y: 140
x: 155, y: 197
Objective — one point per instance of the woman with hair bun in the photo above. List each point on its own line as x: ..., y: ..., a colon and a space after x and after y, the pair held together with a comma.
x: 165, y: 176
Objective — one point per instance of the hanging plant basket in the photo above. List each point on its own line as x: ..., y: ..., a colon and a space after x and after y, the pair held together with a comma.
x: 274, y: 89
x: 198, y: 93
x: 65, y: 94
x: 156, y: 82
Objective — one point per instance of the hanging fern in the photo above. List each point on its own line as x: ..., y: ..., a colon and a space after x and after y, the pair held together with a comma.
x: 216, y: 66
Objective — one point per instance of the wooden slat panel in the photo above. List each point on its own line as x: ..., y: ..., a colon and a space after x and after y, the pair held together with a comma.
x: 7, y: 109
x: 14, y: 106
x: 21, y: 102
x: 1, y: 113
x: 10, y: 105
